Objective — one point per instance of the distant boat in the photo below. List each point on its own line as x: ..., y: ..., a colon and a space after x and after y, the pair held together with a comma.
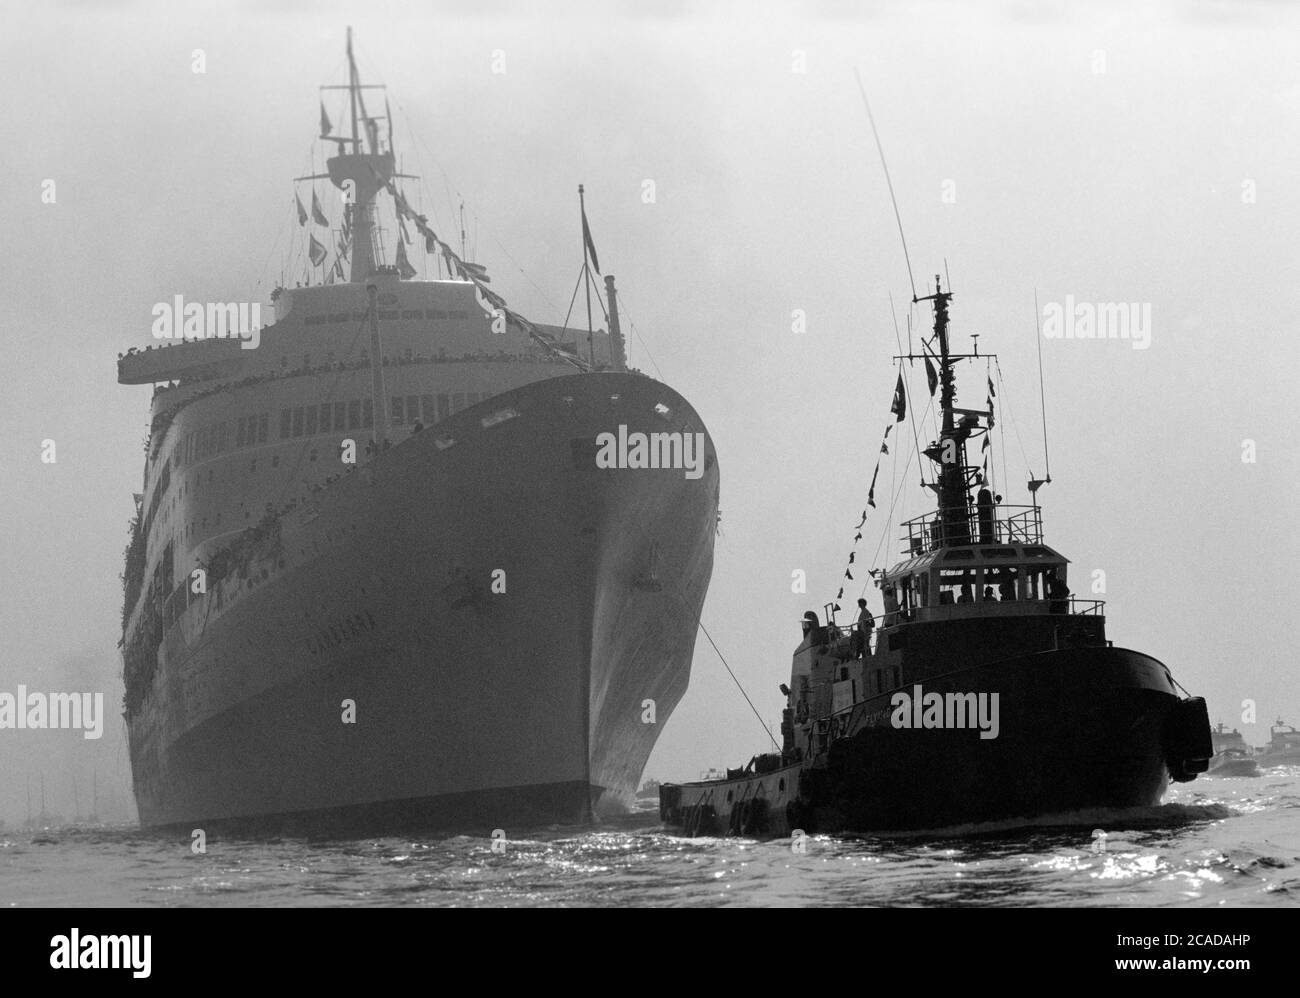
x: 1283, y: 748
x: 1232, y: 756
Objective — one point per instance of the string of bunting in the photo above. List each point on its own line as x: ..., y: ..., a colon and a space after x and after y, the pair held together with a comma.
x: 986, y: 443
x: 476, y: 274
x: 898, y: 409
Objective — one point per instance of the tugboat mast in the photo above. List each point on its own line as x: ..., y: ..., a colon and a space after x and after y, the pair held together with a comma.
x: 950, y: 452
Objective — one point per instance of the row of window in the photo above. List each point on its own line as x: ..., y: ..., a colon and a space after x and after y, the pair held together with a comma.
x: 336, y: 417
x: 385, y: 314
x: 308, y: 421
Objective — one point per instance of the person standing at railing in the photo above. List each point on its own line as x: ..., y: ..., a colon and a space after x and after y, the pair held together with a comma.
x: 1058, y: 593
x: 860, y: 642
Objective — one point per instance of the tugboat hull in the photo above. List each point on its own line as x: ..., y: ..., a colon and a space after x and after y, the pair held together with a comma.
x: 1077, y: 730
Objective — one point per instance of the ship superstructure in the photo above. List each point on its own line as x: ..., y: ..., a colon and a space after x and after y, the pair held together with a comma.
x: 1283, y: 748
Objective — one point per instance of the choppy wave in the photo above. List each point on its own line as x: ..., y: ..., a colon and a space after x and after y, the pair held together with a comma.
x: 1215, y: 842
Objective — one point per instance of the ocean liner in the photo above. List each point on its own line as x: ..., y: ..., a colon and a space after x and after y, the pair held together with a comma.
x: 990, y: 694
x: 377, y: 576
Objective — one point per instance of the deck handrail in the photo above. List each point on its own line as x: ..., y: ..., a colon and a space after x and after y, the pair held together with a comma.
x: 1022, y: 527
x: 1074, y: 606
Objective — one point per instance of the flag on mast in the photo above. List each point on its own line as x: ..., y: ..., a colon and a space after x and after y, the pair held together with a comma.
x: 325, y: 126
x: 302, y: 212
x: 899, y: 406
x: 317, y: 252
x: 588, y: 246
x: 317, y: 215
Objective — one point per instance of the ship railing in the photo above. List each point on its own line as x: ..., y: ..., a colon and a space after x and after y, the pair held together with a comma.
x: 993, y: 608
x: 1003, y: 524
x: 840, y: 635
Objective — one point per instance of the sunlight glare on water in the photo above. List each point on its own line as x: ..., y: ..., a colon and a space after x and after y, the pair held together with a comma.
x: 1215, y: 842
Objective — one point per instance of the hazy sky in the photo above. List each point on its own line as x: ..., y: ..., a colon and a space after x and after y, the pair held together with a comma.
x: 1168, y: 177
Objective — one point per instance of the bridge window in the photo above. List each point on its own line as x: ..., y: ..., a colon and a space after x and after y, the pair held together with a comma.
x: 428, y: 409
x: 262, y: 421
x: 354, y: 414
x: 1004, y: 580
x: 457, y: 401
x: 324, y: 417
x: 286, y: 422
x: 412, y: 408
x: 340, y: 416
x: 399, y: 410
x: 297, y: 421
x: 444, y: 407
x: 368, y: 413
x: 956, y: 586
x: 311, y: 420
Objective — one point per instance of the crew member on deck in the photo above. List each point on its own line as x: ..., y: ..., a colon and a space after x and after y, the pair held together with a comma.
x: 891, y: 605
x: 860, y: 642
x: 1059, y: 594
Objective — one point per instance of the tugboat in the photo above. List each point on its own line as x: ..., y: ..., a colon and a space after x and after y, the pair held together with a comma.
x: 1232, y: 756
x: 991, y: 693
x: 1283, y: 748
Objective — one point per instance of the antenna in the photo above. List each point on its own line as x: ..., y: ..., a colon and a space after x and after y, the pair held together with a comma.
x: 1042, y: 401
x: 881, y: 149
x: 586, y: 276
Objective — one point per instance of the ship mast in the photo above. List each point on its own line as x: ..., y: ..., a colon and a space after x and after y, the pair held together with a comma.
x: 950, y: 451
x: 369, y: 172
